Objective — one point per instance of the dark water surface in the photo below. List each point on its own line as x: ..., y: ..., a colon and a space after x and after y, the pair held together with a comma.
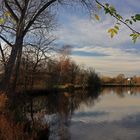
x: 110, y: 114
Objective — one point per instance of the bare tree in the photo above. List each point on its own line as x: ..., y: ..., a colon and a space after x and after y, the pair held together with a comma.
x: 34, y: 58
x: 20, y: 19
x: 24, y: 17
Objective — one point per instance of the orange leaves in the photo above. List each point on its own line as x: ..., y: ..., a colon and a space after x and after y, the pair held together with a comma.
x: 97, y: 17
x: 7, y: 14
x: 113, y: 31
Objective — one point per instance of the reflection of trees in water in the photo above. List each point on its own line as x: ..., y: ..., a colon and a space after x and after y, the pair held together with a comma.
x: 63, y: 106
x: 121, y: 91
x: 15, y: 123
x: 38, y: 117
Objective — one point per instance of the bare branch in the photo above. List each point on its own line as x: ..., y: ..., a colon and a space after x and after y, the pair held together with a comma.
x: 26, y: 2
x: 11, y: 11
x: 6, y: 41
x: 8, y: 27
x: 37, y: 14
x: 18, y: 5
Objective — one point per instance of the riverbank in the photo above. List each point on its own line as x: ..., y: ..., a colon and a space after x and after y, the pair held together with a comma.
x: 120, y: 85
x: 67, y: 88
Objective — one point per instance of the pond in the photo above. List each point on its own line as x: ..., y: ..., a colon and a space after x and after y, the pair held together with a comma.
x: 108, y: 114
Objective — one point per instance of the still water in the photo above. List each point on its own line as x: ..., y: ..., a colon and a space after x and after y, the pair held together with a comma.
x: 109, y: 114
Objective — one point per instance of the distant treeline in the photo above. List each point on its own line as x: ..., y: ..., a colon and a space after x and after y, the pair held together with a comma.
x: 121, y: 79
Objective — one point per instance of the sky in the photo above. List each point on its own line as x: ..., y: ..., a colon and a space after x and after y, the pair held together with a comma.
x: 92, y: 45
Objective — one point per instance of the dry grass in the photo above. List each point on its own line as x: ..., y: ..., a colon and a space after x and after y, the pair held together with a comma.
x: 11, y: 130
x: 3, y: 101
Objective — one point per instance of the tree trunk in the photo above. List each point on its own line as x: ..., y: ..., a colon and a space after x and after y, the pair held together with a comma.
x: 17, y: 68
x: 10, y: 65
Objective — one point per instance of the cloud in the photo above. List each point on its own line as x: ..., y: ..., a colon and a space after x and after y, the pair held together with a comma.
x: 111, y: 66
x: 84, y: 32
x: 93, y: 47
x: 112, y: 62
x: 106, y: 51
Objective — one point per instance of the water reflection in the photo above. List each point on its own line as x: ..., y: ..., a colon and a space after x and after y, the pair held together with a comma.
x: 113, y: 118
x: 82, y: 115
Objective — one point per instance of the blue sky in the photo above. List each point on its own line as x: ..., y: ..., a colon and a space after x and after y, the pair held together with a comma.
x: 91, y: 43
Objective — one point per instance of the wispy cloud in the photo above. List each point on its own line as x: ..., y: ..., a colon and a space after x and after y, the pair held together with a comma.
x: 110, y: 66
x: 86, y: 32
